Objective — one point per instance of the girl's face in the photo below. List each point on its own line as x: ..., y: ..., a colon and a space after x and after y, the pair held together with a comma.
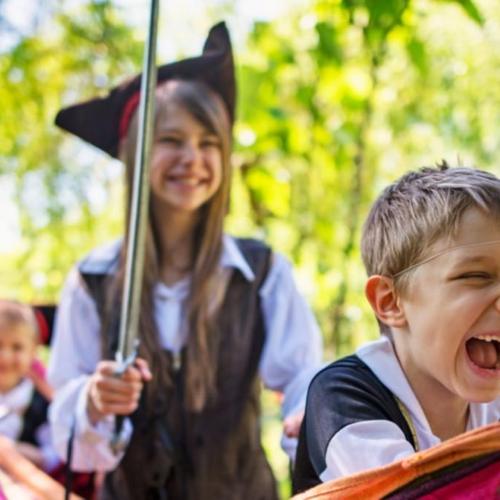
x: 17, y: 348
x: 186, y: 162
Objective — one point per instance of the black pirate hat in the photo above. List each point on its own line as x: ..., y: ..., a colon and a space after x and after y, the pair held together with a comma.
x: 100, y: 121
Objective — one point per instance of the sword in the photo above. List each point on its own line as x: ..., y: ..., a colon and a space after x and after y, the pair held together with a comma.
x: 136, y: 239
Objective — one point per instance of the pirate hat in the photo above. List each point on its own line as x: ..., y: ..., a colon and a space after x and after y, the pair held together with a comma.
x: 103, y: 121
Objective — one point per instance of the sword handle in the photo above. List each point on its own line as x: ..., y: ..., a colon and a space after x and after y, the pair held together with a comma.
x: 117, y: 443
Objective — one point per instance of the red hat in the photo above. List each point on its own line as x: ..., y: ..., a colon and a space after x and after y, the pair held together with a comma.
x: 104, y: 121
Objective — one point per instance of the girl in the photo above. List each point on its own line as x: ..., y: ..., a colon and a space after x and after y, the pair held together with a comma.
x: 23, y: 408
x: 217, y: 313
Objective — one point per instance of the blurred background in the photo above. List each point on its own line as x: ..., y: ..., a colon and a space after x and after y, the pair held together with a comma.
x: 336, y: 99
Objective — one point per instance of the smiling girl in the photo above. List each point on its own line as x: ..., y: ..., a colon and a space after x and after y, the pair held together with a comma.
x: 23, y: 409
x: 218, y: 314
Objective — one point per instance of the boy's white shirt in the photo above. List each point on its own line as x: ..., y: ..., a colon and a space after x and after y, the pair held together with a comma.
x: 288, y: 361
x: 374, y: 443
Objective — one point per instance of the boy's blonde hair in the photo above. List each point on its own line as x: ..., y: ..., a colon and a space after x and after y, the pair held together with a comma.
x: 14, y: 314
x: 417, y: 210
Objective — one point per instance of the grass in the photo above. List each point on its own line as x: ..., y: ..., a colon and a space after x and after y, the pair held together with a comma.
x: 271, y: 435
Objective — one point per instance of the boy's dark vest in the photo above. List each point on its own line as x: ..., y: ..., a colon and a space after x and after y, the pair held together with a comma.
x: 34, y: 417
x: 215, y: 454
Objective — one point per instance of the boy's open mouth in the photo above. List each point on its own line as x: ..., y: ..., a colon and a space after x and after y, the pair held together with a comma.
x: 484, y: 351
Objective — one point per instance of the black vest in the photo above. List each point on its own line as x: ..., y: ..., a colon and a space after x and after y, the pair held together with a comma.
x: 34, y: 417
x: 346, y: 391
x: 215, y: 454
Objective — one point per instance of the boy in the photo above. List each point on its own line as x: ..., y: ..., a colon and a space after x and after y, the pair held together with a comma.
x: 23, y: 409
x: 431, y: 247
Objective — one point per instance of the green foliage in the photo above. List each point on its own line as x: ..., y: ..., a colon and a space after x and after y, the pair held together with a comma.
x: 472, y: 10
x: 350, y: 95
x: 56, y: 181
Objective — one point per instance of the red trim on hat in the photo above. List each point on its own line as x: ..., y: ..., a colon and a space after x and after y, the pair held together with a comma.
x: 43, y: 326
x: 128, y: 111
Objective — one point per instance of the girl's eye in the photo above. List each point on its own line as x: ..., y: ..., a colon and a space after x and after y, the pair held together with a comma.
x: 169, y: 139
x: 210, y: 143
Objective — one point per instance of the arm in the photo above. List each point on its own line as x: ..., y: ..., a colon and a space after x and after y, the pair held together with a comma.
x: 349, y: 426
x: 32, y: 453
x: 23, y: 479
x: 292, y: 350
x: 75, y: 354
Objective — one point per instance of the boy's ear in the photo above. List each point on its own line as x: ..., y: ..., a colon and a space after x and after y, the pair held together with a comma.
x: 382, y: 296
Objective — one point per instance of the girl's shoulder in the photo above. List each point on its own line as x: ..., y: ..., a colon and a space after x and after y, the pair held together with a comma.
x: 102, y: 259
x: 256, y: 252
x: 96, y: 267
x: 250, y: 256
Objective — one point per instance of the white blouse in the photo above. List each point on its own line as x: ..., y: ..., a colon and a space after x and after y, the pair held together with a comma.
x: 290, y: 357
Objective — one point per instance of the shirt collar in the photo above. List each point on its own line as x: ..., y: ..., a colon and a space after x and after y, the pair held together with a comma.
x: 382, y: 360
x: 232, y: 257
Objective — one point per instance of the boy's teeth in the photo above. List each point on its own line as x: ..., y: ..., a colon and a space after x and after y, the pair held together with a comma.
x: 487, y: 338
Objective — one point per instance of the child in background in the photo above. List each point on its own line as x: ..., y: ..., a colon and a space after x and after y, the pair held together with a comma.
x: 23, y: 409
x: 431, y: 247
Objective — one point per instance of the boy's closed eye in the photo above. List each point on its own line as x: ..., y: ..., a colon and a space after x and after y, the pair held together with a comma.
x: 479, y: 276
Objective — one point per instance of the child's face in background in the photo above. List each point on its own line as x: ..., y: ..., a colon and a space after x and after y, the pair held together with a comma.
x: 452, y: 312
x: 17, y: 349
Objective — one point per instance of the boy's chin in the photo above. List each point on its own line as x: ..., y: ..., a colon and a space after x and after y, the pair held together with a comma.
x: 481, y: 395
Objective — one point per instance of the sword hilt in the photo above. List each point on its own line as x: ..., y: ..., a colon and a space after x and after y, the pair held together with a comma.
x: 117, y: 443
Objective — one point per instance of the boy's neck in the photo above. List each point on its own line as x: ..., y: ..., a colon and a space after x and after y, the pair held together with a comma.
x: 447, y: 417
x: 446, y: 413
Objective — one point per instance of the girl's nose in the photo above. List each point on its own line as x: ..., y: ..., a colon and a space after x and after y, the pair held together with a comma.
x: 190, y: 153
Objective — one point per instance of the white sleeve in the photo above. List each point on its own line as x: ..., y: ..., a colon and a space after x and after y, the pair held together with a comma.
x: 364, y: 445
x: 46, y: 446
x: 75, y: 352
x: 293, y: 346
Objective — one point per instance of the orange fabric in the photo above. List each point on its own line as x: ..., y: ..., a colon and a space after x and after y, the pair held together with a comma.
x: 375, y: 483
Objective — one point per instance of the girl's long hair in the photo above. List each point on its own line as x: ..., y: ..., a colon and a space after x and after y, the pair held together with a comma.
x: 206, y: 279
